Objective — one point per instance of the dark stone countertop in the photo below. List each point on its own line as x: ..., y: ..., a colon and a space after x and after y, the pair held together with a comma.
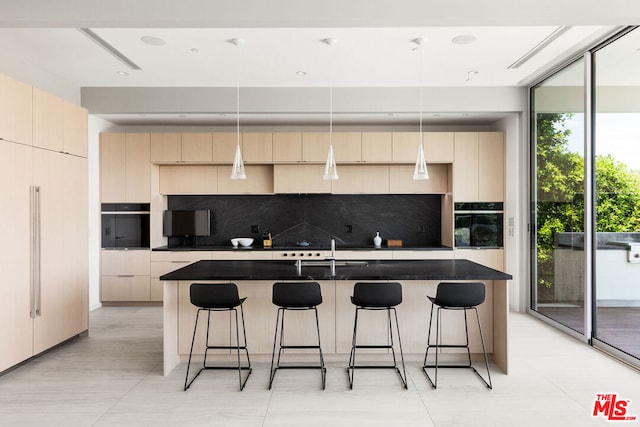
x: 459, y: 269
x: 298, y: 248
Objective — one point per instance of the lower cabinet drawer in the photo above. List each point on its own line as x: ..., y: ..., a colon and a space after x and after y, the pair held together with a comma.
x: 125, y: 288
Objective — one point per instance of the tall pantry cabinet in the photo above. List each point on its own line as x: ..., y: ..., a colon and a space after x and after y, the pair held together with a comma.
x: 43, y: 221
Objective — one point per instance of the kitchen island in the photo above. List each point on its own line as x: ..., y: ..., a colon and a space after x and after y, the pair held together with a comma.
x: 254, y: 280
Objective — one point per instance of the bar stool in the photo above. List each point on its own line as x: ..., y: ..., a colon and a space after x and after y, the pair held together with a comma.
x: 456, y: 296
x: 377, y: 296
x: 221, y: 297
x: 295, y: 296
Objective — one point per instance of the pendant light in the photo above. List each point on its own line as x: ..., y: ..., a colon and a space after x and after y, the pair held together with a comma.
x: 237, y: 170
x: 420, y: 171
x: 330, y: 168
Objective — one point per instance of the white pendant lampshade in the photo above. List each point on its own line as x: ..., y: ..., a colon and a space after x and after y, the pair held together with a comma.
x: 330, y: 168
x: 420, y: 171
x: 237, y: 170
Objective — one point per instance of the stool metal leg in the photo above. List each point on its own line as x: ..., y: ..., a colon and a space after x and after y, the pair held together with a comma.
x: 275, y: 364
x: 438, y: 346
x: 352, y: 357
x: 208, y: 347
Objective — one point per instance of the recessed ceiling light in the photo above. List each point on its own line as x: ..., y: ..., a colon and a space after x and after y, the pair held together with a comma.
x: 194, y: 50
x: 301, y: 73
x: 122, y: 73
x: 464, y: 39
x: 153, y: 41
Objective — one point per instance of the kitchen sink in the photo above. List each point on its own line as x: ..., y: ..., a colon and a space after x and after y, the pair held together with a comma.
x: 329, y: 263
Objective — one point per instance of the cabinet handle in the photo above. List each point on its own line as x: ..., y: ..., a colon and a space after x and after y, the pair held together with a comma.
x: 38, y: 253
x: 126, y: 275
x: 180, y: 262
x: 32, y: 245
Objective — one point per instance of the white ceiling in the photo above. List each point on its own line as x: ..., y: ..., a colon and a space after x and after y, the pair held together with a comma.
x: 373, y: 46
x: 271, y: 57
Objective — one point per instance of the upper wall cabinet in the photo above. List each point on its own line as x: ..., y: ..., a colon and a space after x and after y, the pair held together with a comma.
x: 75, y: 130
x: 224, y: 146
x: 16, y: 106
x: 59, y: 125
x: 479, y: 167
x: 166, y: 147
x: 197, y: 147
x: 287, y: 147
x: 347, y: 146
x: 315, y: 146
x: 257, y: 147
x: 376, y: 147
x: 438, y: 146
x: 181, y: 147
x: 48, y: 116
x: 125, y: 167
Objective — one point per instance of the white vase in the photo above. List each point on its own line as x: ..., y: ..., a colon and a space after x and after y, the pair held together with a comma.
x: 377, y: 240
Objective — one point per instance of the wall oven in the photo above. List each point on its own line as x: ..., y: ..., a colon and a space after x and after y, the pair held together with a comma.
x: 125, y: 225
x: 479, y: 224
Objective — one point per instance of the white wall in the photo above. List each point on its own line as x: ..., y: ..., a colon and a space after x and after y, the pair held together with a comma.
x: 516, y: 213
x: 96, y: 126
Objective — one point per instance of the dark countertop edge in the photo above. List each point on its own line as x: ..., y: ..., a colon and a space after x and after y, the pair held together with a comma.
x: 299, y: 248
x: 480, y: 272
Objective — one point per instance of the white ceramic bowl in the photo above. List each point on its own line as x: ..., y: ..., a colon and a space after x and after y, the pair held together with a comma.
x: 242, y: 241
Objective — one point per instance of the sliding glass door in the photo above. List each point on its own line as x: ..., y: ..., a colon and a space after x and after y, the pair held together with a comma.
x: 585, y: 197
x: 557, y: 110
x: 616, y: 308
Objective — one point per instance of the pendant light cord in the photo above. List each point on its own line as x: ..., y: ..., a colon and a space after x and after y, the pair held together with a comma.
x: 420, y: 83
x: 238, y: 93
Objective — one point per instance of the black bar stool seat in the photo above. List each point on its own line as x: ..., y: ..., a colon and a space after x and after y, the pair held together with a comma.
x: 295, y: 296
x: 377, y: 296
x: 218, y: 297
x: 456, y: 296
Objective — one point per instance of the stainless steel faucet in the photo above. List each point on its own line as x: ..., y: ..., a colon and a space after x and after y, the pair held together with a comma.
x: 333, y: 249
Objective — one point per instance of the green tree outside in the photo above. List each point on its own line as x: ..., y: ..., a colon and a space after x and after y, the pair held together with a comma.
x: 560, y: 191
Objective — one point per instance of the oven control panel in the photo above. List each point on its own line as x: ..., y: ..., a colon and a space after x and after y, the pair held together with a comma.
x: 302, y: 254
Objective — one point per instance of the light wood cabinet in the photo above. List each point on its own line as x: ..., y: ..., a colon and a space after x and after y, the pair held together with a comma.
x: 16, y: 336
x: 224, y: 147
x: 287, y: 147
x: 49, y: 311
x: 16, y: 106
x: 347, y: 146
x: 405, y: 147
x: 163, y: 262
x: 479, y: 167
x: 138, y: 168
x: 75, y: 129
x: 493, y: 258
x: 259, y: 180
x: 465, y: 167
x: 491, y: 165
x: 125, y: 275
x: 197, y: 147
x: 125, y: 167
x: 188, y: 179
x: 300, y: 179
x: 48, y: 121
x: 257, y: 147
x: 373, y: 179
x: 401, y: 180
x: 315, y: 146
x: 376, y: 147
x: 166, y: 147
x: 438, y: 147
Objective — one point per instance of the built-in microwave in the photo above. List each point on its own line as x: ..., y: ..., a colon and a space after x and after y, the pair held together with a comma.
x: 479, y: 224
x: 125, y: 225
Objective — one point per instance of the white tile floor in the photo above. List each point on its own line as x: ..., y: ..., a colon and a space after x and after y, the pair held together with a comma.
x: 113, y: 377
